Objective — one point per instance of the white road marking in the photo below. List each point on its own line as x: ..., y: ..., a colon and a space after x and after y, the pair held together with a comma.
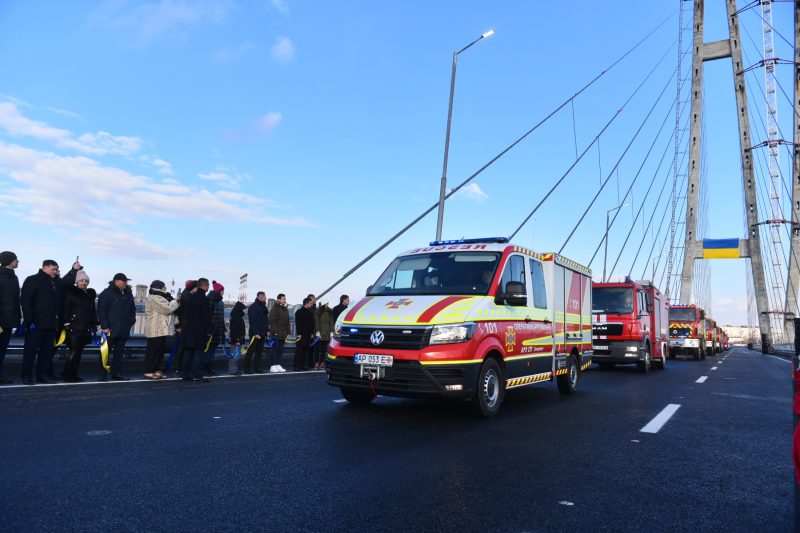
x: 713, y: 368
x: 655, y: 425
x: 634, y: 440
x: 98, y: 432
x: 84, y: 383
x: 779, y: 358
x: 339, y: 401
x: 216, y: 417
x: 702, y: 379
x: 568, y: 504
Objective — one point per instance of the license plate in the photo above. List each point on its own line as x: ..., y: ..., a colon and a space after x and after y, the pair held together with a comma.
x: 374, y: 359
x: 596, y: 347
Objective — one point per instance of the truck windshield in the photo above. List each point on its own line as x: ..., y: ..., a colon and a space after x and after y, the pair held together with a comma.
x: 682, y: 315
x: 615, y: 300
x: 439, y: 273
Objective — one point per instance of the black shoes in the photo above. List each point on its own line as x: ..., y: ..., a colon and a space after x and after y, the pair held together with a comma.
x: 4, y: 381
x: 117, y: 377
x: 72, y: 379
x: 201, y: 380
x: 27, y: 381
x: 44, y: 381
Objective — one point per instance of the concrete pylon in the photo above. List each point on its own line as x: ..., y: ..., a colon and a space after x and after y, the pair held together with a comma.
x: 750, y: 247
x: 793, y: 284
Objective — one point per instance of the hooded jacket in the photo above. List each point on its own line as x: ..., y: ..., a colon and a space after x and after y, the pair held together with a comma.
x: 279, y: 326
x: 159, y: 314
x: 324, y: 324
x: 117, y: 310
x: 79, y: 309
x: 217, y: 309
x: 10, y: 315
x: 258, y: 317
x: 237, y: 332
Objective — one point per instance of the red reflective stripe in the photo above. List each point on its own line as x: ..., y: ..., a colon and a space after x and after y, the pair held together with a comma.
x: 352, y: 314
x: 434, y: 310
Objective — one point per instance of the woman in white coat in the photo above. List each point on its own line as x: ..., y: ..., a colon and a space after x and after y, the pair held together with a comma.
x: 159, y: 323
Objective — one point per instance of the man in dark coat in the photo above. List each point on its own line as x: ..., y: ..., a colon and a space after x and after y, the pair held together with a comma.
x: 304, y: 322
x: 279, y: 329
x: 237, y: 334
x: 41, y: 301
x: 217, y: 327
x: 344, y: 303
x: 196, y: 330
x: 80, y: 320
x: 258, y: 317
x: 10, y: 315
x: 117, y: 312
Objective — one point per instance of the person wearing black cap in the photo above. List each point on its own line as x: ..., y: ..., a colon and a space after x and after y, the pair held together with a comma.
x: 41, y: 300
x: 159, y: 323
x: 117, y: 312
x: 10, y: 315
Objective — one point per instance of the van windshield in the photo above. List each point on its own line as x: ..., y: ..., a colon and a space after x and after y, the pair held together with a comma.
x: 682, y: 315
x: 612, y: 300
x: 439, y: 273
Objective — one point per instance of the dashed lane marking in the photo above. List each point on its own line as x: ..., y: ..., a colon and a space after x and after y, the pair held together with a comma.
x: 98, y: 432
x: 339, y: 401
x: 713, y: 368
x: 655, y: 425
x: 702, y: 379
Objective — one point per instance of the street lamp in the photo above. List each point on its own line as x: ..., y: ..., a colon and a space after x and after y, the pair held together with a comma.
x: 605, y: 237
x: 443, y: 188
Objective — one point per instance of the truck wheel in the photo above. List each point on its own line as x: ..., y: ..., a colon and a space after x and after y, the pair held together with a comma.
x: 644, y: 366
x: 491, y: 390
x: 661, y: 364
x: 357, y: 396
x: 696, y: 353
x: 569, y: 381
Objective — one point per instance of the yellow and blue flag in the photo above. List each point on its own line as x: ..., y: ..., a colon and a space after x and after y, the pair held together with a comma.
x: 720, y: 248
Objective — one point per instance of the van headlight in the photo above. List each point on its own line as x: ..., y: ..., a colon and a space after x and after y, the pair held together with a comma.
x: 452, y: 334
x: 337, y: 330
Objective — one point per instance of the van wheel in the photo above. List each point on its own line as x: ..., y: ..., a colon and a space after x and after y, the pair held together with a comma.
x: 357, y: 396
x: 569, y: 381
x: 644, y: 366
x: 491, y: 390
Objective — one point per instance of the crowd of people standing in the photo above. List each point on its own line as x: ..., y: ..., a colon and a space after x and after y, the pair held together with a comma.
x: 184, y: 332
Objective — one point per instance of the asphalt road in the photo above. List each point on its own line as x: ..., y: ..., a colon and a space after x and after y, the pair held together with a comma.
x: 279, y: 453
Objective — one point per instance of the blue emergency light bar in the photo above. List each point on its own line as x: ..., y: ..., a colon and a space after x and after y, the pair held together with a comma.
x: 498, y: 240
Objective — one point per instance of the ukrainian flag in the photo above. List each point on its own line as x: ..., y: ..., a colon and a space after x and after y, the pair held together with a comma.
x: 720, y: 248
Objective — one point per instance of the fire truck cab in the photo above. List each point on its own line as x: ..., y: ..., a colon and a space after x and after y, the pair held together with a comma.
x: 630, y: 324
x: 467, y: 320
x: 687, y: 332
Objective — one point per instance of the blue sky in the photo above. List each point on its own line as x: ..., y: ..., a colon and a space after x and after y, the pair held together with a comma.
x: 287, y: 138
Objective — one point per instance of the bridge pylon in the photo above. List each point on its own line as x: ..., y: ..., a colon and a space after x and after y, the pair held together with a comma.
x: 749, y: 247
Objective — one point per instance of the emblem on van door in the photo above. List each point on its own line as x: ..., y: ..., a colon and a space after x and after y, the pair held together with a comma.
x: 377, y: 337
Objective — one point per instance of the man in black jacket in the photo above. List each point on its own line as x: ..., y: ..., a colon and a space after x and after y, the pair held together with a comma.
x: 258, y: 318
x: 196, y: 330
x: 304, y: 322
x: 10, y: 315
x: 80, y: 320
x: 41, y: 310
x: 344, y: 303
x: 117, y: 312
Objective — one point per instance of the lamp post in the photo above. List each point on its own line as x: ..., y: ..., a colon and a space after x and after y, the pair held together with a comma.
x: 605, y: 237
x: 443, y: 187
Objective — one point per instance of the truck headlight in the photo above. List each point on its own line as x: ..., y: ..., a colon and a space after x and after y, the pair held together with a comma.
x: 452, y: 334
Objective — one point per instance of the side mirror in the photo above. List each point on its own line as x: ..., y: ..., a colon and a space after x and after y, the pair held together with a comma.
x: 369, y: 290
x: 515, y: 294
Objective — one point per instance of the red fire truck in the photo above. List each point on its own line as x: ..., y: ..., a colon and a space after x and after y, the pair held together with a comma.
x: 712, y: 340
x: 629, y: 324
x: 687, y: 332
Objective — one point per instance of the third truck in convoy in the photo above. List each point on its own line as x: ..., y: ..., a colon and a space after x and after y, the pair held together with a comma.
x: 687, y: 331
x: 629, y: 325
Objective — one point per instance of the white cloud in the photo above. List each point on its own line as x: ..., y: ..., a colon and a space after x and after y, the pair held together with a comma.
x: 268, y: 122
x: 474, y: 192
x: 282, y: 51
x: 281, y: 6
x: 16, y: 124
x: 228, y: 55
x: 126, y: 244
x: 147, y: 22
x: 163, y: 167
x: 225, y: 177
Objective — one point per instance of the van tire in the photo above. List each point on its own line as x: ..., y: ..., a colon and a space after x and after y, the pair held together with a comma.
x: 491, y: 390
x: 569, y: 381
x: 357, y: 396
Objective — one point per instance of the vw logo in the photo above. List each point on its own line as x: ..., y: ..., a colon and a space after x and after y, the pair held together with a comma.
x: 377, y: 337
